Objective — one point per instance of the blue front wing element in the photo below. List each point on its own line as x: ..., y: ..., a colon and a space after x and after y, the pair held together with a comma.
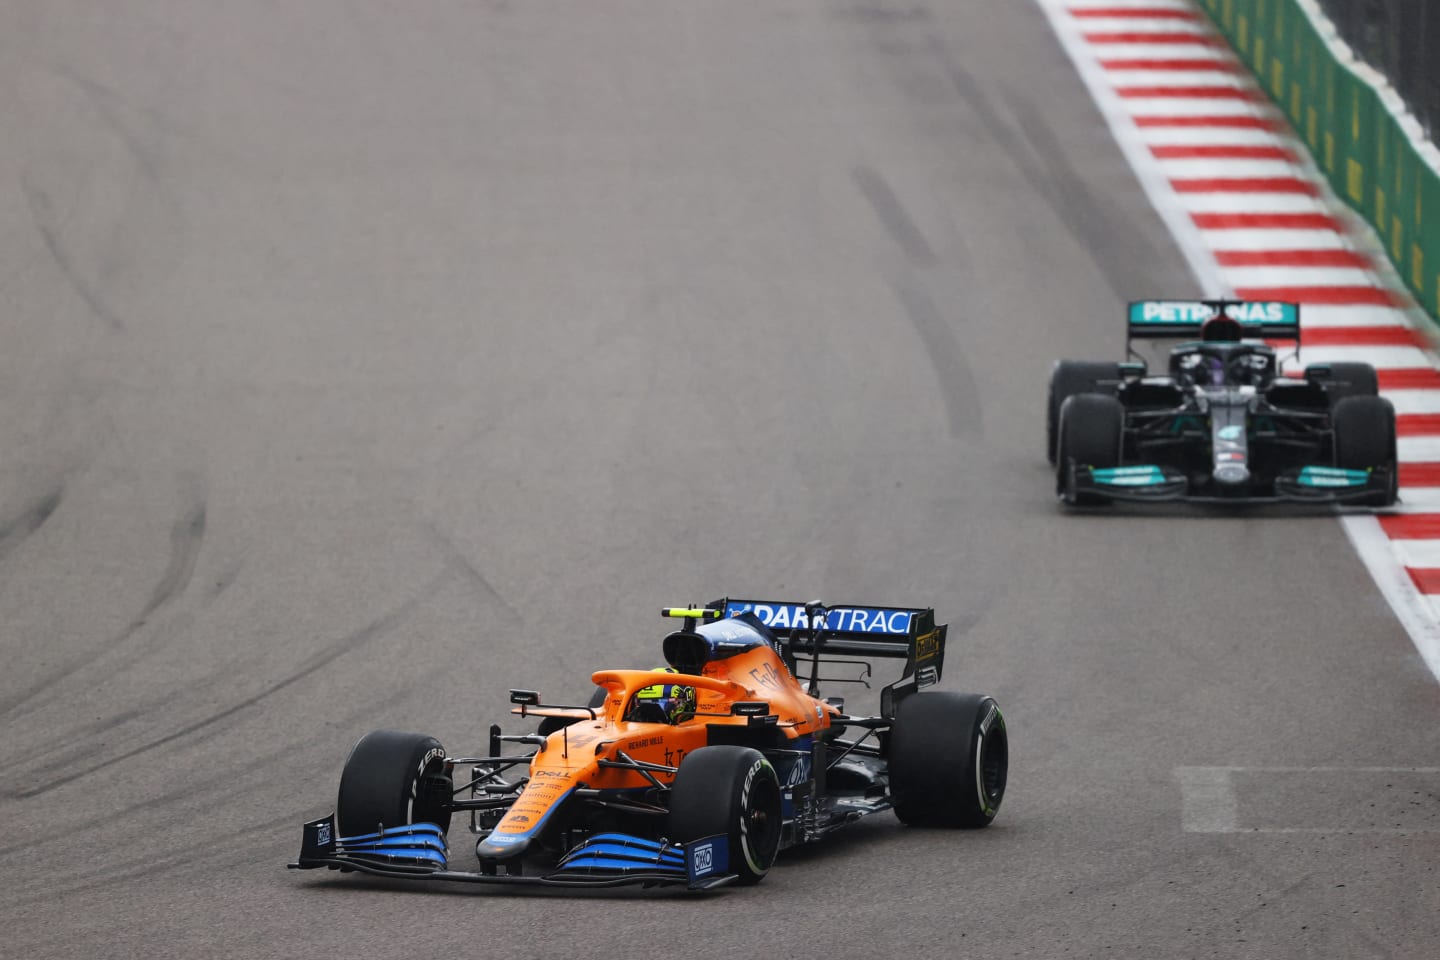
x: 419, y: 851
x: 624, y: 853
x: 700, y: 864
x: 418, y: 845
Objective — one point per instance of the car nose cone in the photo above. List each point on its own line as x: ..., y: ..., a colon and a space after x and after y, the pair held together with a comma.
x: 1231, y: 474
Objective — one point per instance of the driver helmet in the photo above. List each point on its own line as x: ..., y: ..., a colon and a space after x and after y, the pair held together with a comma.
x: 671, y: 701
x: 1203, y: 369
x: 1215, y: 370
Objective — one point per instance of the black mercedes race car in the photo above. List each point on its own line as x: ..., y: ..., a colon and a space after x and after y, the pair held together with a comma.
x: 1221, y: 425
x: 694, y: 774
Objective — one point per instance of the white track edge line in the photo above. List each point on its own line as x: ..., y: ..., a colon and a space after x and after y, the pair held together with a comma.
x: 1410, y: 605
x: 1161, y: 194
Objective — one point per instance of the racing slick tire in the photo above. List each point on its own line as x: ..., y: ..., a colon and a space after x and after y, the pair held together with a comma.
x: 549, y: 725
x: 1365, y: 438
x: 1350, y: 379
x: 949, y: 758
x: 1092, y: 432
x: 1068, y: 378
x: 393, y: 779
x: 732, y: 791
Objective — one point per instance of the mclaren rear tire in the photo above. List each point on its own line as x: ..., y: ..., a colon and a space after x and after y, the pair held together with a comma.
x: 734, y: 792
x: 393, y: 779
x: 949, y: 759
x: 1092, y: 433
x: 1068, y: 378
x: 1365, y: 439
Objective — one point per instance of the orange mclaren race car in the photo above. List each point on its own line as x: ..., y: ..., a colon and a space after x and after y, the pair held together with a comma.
x: 694, y: 774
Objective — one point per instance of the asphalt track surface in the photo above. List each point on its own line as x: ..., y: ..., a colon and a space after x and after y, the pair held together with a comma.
x: 364, y: 360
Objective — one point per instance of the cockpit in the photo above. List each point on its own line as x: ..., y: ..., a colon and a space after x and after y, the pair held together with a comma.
x: 1222, y: 359
x: 1223, y: 365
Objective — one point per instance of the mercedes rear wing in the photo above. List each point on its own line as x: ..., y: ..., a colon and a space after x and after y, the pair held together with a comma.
x: 1183, y: 319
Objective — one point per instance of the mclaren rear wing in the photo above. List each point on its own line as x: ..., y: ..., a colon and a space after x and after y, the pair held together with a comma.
x: 826, y: 632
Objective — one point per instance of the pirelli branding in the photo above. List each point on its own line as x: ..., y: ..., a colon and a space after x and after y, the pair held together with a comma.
x: 927, y: 645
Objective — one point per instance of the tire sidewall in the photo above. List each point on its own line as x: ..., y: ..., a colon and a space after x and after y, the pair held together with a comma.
x: 715, y: 792
x: 1364, y: 429
x: 1358, y: 379
x: 1092, y: 431
x: 1068, y: 378
x: 380, y: 783
x: 937, y: 756
x: 990, y: 726
x: 757, y: 861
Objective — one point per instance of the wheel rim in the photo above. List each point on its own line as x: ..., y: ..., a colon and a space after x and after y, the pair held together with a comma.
x: 993, y: 766
x: 430, y: 799
x: 760, y: 825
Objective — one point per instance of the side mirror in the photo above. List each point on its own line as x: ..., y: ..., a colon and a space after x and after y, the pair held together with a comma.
x: 757, y: 713
x: 526, y: 698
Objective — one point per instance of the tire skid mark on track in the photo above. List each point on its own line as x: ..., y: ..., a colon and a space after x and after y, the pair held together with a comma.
x: 961, y: 394
x: 1092, y: 221
x: 17, y: 529
x: 42, y: 215
x: 226, y: 851
x: 79, y: 741
x: 172, y: 796
x: 467, y: 569
x: 376, y: 628
x: 186, y: 536
x: 1042, y: 159
x: 107, y: 104
x: 201, y: 795
x: 893, y: 217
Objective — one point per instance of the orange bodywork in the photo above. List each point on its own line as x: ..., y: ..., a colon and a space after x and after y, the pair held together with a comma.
x: 572, y: 757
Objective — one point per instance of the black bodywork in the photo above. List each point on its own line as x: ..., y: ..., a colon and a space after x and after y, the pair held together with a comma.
x: 1221, y: 424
